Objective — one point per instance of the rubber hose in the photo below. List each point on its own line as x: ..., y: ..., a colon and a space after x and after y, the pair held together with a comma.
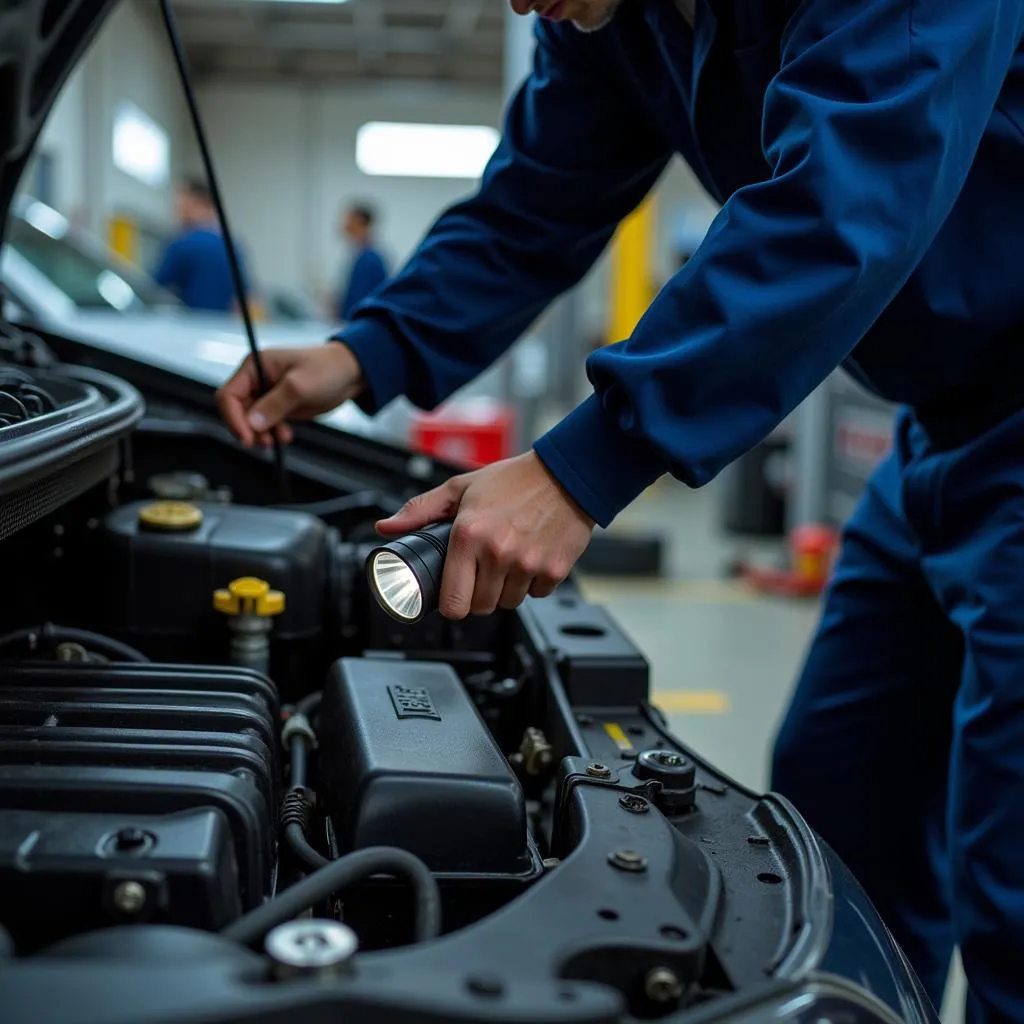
x: 109, y: 648
x: 299, y: 759
x: 353, y: 867
x: 303, y: 848
x: 310, y: 704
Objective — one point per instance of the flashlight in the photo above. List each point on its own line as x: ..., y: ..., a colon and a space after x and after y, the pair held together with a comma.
x: 405, y: 574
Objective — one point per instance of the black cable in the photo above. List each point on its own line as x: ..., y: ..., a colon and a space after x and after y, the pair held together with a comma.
x: 53, y: 635
x: 303, y: 848
x: 299, y: 758
x: 354, y: 867
x: 310, y: 704
x: 185, y: 75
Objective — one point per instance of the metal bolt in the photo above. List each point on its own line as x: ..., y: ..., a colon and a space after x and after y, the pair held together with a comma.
x: 634, y: 804
x: 311, y: 947
x: 550, y: 863
x: 129, y: 839
x: 69, y: 652
x: 662, y: 985
x: 599, y: 771
x: 628, y: 860
x: 129, y: 897
x: 669, y: 760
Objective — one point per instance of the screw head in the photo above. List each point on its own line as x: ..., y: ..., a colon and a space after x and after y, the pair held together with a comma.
x: 634, y: 804
x: 597, y: 770
x: 628, y: 860
x: 129, y: 897
x: 662, y: 985
x: 550, y: 863
x: 668, y: 759
x: 311, y: 947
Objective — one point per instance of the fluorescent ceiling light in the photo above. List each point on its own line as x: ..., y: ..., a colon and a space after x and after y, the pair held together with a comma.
x: 141, y: 147
x: 424, y: 150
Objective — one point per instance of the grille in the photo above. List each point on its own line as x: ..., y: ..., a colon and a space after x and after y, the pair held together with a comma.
x: 25, y: 506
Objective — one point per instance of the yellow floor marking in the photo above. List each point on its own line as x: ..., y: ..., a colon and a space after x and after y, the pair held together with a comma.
x: 693, y: 702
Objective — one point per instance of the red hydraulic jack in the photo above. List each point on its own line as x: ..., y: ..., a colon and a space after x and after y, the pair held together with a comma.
x: 812, y: 549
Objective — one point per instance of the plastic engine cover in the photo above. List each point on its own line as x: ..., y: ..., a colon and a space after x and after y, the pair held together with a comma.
x: 407, y: 761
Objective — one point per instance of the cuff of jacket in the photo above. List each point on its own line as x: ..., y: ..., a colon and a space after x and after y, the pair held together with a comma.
x: 384, y: 361
x: 602, y: 469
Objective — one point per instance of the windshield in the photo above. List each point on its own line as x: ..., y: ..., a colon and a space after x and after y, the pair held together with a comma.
x: 43, y: 238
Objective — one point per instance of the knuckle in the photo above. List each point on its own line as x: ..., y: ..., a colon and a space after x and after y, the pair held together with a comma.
x: 470, y: 531
x: 529, y: 564
x: 501, y: 550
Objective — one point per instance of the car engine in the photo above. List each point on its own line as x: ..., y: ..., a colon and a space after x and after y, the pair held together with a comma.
x: 227, y: 777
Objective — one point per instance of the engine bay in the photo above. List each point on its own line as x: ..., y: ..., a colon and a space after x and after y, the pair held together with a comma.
x: 218, y: 752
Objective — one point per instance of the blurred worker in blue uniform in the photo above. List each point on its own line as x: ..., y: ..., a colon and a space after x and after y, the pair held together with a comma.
x: 869, y: 158
x: 195, y: 264
x: 369, y: 269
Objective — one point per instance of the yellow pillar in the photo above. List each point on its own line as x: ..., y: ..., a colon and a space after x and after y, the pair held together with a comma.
x: 632, y: 273
x: 123, y: 238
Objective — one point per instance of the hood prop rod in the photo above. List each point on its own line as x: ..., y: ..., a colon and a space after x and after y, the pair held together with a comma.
x: 185, y: 75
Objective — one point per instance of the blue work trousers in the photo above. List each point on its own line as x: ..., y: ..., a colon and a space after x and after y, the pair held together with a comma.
x: 904, y: 744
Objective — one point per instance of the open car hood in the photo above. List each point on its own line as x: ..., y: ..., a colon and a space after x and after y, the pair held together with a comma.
x: 41, y: 41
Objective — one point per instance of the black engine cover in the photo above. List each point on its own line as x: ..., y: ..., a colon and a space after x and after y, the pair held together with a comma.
x: 183, y: 759
x: 407, y: 761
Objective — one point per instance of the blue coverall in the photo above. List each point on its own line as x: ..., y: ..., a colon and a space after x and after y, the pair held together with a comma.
x: 368, y: 273
x: 870, y: 158
x: 195, y: 266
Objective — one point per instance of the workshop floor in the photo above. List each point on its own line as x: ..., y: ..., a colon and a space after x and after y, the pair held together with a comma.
x: 723, y: 659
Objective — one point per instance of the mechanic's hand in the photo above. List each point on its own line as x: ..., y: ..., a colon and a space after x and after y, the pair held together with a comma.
x: 516, y: 532
x: 304, y: 383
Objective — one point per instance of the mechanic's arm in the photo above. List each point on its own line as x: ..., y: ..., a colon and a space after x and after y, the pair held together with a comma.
x: 577, y: 155
x: 871, y: 128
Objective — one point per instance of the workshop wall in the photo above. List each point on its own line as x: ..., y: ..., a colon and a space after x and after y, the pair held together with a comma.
x: 286, y: 154
x: 129, y: 61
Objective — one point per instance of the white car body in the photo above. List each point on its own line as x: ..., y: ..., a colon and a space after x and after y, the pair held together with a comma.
x: 146, y: 324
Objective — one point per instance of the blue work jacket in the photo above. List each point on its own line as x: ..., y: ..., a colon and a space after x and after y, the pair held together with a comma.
x: 870, y: 158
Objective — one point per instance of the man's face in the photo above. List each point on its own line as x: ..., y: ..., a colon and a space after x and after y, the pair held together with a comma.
x: 587, y: 15
x: 187, y: 209
x: 353, y: 227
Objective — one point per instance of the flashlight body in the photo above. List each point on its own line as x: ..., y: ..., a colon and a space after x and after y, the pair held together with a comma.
x: 423, y: 554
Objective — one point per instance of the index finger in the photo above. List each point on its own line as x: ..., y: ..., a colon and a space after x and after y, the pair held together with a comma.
x: 236, y: 397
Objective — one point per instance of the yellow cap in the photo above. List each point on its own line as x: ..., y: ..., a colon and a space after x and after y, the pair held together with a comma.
x: 172, y: 516
x: 249, y: 596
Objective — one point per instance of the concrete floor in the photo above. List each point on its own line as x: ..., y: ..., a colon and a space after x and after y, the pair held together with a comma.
x: 724, y: 660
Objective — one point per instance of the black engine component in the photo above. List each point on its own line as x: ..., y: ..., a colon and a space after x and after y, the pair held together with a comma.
x: 185, y: 760
x: 160, y: 573
x: 407, y: 761
x: 67, y: 873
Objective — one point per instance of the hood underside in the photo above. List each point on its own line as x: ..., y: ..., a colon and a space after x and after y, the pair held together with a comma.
x: 41, y: 41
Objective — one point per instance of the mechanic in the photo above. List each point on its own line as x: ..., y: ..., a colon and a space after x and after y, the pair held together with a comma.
x: 369, y: 269
x: 870, y: 158
x: 195, y: 264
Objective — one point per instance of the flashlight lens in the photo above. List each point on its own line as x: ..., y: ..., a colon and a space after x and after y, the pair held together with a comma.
x: 397, y: 586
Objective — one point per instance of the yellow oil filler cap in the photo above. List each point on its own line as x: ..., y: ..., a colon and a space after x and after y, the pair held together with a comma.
x: 249, y: 596
x: 171, y: 516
